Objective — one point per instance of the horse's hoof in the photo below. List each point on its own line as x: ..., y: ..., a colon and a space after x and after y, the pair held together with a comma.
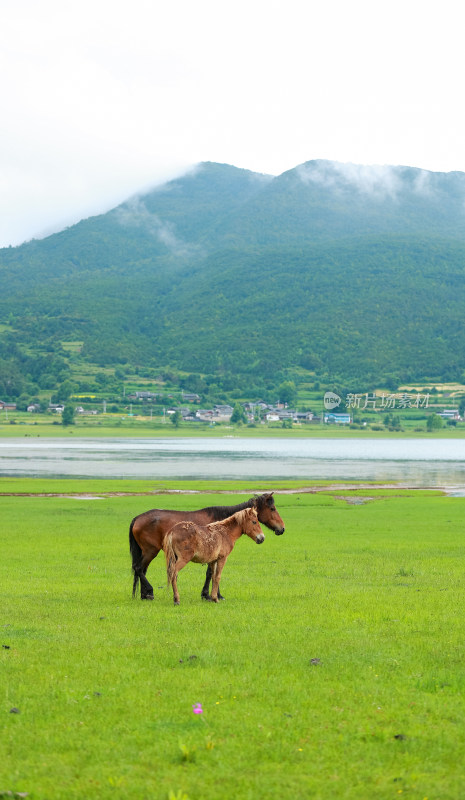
x: 220, y: 597
x: 205, y: 597
x: 147, y: 597
x: 176, y: 602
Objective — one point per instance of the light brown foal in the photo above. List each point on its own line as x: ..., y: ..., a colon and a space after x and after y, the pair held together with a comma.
x: 210, y: 544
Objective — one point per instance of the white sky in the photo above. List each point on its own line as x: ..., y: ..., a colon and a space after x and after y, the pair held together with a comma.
x: 100, y: 99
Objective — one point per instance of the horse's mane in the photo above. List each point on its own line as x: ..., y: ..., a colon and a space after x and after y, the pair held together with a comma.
x: 221, y: 512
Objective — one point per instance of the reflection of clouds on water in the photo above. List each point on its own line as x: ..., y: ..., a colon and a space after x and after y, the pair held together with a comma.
x: 418, y: 462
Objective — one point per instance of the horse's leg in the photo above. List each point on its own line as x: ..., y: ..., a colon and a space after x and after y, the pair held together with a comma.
x: 146, y: 589
x: 174, y: 584
x: 216, y: 575
x: 180, y: 563
x: 205, y: 595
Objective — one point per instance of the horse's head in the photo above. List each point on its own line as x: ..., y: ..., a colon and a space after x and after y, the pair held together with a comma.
x: 267, y: 514
x: 251, y: 525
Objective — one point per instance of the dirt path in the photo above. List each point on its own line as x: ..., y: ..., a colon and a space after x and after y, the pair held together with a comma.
x: 334, y: 487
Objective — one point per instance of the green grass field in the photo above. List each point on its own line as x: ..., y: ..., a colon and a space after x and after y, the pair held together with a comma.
x: 334, y: 669
x: 19, y: 425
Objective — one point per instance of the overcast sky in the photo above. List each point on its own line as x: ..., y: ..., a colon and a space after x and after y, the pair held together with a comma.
x: 101, y: 99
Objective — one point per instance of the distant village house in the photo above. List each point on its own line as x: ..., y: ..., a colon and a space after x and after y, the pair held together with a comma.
x: 337, y: 419
x: 56, y: 408
x: 449, y: 413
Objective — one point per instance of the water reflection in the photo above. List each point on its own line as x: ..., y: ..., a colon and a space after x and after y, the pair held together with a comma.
x: 417, y: 462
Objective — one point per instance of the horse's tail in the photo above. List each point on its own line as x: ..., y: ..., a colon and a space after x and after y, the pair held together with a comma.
x: 136, y: 555
x: 170, y: 557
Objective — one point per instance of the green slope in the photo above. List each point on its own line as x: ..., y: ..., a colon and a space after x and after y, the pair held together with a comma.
x: 351, y: 272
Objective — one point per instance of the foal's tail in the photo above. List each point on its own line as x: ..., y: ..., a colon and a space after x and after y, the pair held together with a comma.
x: 136, y: 555
x: 170, y: 556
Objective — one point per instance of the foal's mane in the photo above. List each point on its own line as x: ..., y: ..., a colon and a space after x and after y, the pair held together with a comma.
x: 221, y: 512
x: 237, y: 517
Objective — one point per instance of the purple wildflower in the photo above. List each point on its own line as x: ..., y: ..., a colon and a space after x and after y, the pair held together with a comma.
x: 197, y: 708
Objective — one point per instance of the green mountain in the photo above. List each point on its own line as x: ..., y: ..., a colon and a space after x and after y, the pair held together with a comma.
x: 356, y: 274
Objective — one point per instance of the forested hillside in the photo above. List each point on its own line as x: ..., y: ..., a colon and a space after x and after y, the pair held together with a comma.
x: 349, y: 274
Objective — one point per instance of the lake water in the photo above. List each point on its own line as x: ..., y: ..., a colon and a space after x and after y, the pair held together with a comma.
x: 414, y: 462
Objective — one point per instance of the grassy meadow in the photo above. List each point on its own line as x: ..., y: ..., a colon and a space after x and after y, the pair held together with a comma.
x: 17, y: 424
x: 334, y: 668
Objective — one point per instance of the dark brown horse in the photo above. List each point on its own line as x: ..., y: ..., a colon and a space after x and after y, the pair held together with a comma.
x: 207, y: 544
x: 148, y: 530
